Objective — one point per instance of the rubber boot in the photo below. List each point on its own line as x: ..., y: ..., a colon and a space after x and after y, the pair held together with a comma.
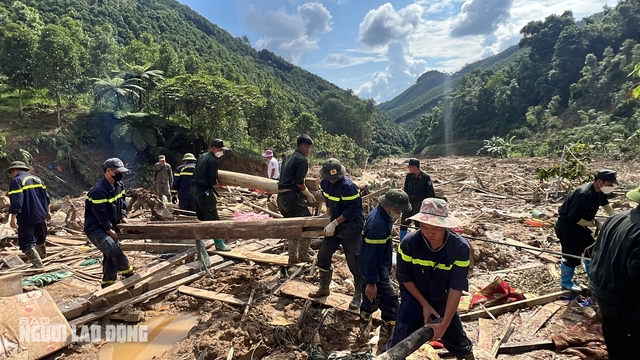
x: 357, y: 294
x: 365, y: 326
x: 42, y: 251
x: 303, y: 250
x: 403, y: 233
x: 587, y: 267
x: 221, y: 246
x: 386, y: 331
x: 325, y: 281
x: 34, y: 258
x: 292, y: 248
x: 567, y: 278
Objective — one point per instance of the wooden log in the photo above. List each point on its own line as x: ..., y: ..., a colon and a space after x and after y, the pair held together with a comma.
x: 513, y: 306
x: 156, y: 247
x: 226, y: 229
x: 375, y: 194
x: 248, y: 181
x: 407, y: 346
x: 211, y: 295
x: 136, y: 278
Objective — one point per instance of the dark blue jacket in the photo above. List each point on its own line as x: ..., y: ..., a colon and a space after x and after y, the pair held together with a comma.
x: 105, y: 207
x: 433, y: 272
x: 29, y: 199
x: 376, y: 247
x: 343, y: 198
x: 182, y: 180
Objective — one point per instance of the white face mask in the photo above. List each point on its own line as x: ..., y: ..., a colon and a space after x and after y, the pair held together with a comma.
x: 219, y: 154
x: 394, y: 216
x: 606, y: 189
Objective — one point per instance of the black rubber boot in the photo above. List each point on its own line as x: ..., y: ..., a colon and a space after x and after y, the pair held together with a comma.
x: 325, y: 281
x: 357, y: 294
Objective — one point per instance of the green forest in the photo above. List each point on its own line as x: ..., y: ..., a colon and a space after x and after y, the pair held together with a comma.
x: 575, y: 84
x: 152, y: 76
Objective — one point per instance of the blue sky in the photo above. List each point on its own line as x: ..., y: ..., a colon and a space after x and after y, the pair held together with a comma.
x: 379, y: 48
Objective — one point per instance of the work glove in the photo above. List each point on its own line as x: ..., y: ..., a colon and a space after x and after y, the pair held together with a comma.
x: 309, y: 196
x: 174, y: 199
x: 330, y: 229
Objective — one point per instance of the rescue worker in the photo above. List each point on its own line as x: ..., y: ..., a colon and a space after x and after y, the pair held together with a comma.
x: 205, y: 176
x: 347, y: 218
x: 374, y: 263
x: 30, y: 209
x: 163, y: 178
x: 293, y: 196
x: 575, y: 217
x: 273, y: 169
x: 418, y: 185
x: 432, y: 271
x: 105, y: 208
x: 181, y: 189
x: 614, y: 279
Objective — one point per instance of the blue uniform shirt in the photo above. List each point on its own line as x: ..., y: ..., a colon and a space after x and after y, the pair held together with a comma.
x: 182, y: 180
x: 343, y: 198
x: 105, y: 207
x: 29, y: 199
x: 376, y: 247
x: 433, y: 271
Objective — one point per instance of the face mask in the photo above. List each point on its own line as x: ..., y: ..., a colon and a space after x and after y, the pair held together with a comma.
x: 607, y: 189
x: 395, y: 216
x: 117, y: 177
x: 218, y: 154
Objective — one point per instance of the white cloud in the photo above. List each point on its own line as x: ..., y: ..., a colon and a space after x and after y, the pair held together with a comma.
x: 384, y: 24
x: 336, y: 61
x: 481, y: 17
x: 290, y: 34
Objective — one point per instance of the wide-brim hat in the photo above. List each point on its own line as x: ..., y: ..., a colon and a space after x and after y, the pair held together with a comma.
x: 188, y: 156
x: 434, y: 211
x: 396, y: 199
x: 268, y: 153
x: 634, y: 195
x: 332, y: 169
x: 17, y: 165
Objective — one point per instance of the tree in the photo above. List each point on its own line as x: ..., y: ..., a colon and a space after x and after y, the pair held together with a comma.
x: 142, y: 51
x: 117, y: 87
x: 104, y: 51
x: 146, y: 77
x: 61, y: 59
x: 170, y: 63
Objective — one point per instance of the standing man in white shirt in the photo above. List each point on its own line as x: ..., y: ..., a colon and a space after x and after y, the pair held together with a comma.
x: 273, y: 170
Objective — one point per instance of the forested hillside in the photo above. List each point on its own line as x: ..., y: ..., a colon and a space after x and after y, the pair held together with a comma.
x: 572, y: 87
x: 407, y: 108
x: 152, y: 76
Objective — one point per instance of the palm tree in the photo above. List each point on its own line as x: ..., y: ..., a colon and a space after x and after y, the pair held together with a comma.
x: 116, y: 87
x: 147, y: 77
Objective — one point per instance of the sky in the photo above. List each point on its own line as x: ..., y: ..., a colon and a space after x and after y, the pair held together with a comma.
x: 377, y: 48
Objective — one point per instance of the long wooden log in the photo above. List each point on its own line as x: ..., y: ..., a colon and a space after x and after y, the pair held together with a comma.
x: 407, y: 346
x: 226, y: 229
x: 513, y: 306
x: 257, y: 182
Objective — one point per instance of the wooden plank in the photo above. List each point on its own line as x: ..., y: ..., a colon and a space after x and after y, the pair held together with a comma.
x: 226, y: 229
x: 263, y: 258
x: 553, y: 270
x: 513, y: 306
x: 211, y: 295
x: 13, y: 261
x: 136, y: 278
x: 59, y: 240
x: 504, y: 335
x: 485, y: 333
x: 538, y: 319
x: 517, y: 348
x: 374, y: 195
x: 156, y: 247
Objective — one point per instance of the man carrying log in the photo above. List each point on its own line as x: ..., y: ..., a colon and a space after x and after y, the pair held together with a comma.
x: 293, y: 196
x: 374, y: 263
x: 614, y: 280
x: 418, y: 186
x: 432, y: 272
x: 575, y: 218
x: 205, y: 176
x: 345, y: 208
x: 105, y: 208
x: 30, y: 210
x: 163, y: 177
x: 181, y: 189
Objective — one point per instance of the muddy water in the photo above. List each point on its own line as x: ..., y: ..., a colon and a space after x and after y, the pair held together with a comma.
x: 163, y: 332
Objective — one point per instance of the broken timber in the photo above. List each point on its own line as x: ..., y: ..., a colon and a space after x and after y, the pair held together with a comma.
x: 263, y: 258
x: 211, y: 295
x: 407, y: 346
x: 501, y: 309
x: 228, y: 229
x: 257, y: 182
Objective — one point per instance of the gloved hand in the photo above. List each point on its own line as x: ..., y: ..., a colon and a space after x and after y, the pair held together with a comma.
x: 174, y: 199
x: 309, y: 196
x: 330, y: 229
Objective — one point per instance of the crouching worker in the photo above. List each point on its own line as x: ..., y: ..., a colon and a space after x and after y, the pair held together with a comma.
x: 375, y: 261
x: 347, y: 218
x: 30, y: 209
x: 432, y: 272
x: 105, y: 207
